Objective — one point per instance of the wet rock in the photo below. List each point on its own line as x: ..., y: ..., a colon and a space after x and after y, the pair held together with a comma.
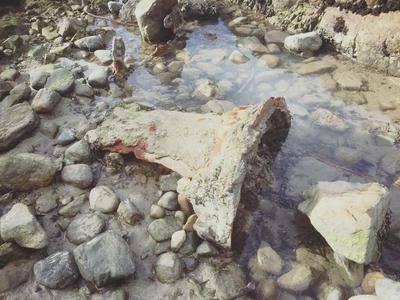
x: 315, y: 67
x: 252, y: 43
x: 351, y: 222
x: 98, y: 78
x: 104, y: 56
x: 129, y: 213
x: 105, y: 259
x: 84, y: 227
x: 169, y: 182
x: 60, y: 80
x: 267, y: 288
x: 156, y: 212
x: 324, y: 118
x: 150, y: 15
x: 14, y: 274
x: 68, y: 27
x: 56, y: 271
x: 21, y: 226
x: 79, y: 175
x: 65, y: 137
x: 38, y: 78
x: 330, y: 292
x: 269, y: 261
x: 73, y: 207
x: 302, y: 42
x: 78, y: 152
x: 49, y: 33
x: 177, y: 240
x: 26, y: 171
x: 271, y: 61
x: 387, y: 289
x: 368, y: 283
x: 45, y: 101
x: 162, y: 229
x: 238, y: 58
x: 19, y: 93
x: 45, y: 203
x: 114, y: 7
x: 217, y: 106
x: 9, y: 75
x: 205, y: 249
x: 296, y: 280
x: 185, y: 205
x: 190, y: 263
x: 348, y: 81
x: 205, y: 89
x: 276, y: 36
x: 5, y: 88
x: 168, y: 268
x: 90, y: 43
x: 169, y: 201
x: 103, y: 199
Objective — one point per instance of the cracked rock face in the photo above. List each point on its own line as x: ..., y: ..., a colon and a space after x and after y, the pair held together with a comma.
x: 211, y: 152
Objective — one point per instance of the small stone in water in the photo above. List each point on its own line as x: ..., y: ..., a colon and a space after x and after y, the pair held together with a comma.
x: 156, y: 212
x: 168, y: 268
x: 79, y: 175
x: 65, y: 137
x: 129, y: 213
x: 238, y: 58
x: 103, y: 199
x: 177, y: 240
x: 205, y: 249
x: 190, y: 222
x: 297, y: 280
x: 169, y: 201
x: 269, y: 261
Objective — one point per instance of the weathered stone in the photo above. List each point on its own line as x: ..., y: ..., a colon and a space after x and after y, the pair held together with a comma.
x: 20, y: 225
x: 162, y: 229
x: 238, y: 58
x: 150, y: 15
x: 90, y: 43
x: 177, y: 240
x: 79, y: 175
x: 45, y: 101
x: 169, y: 182
x: 19, y: 93
x: 26, y: 171
x: 205, y: 249
x: 56, y: 271
x: 78, y: 152
x: 69, y: 26
x: 276, y: 36
x: 169, y: 201
x: 296, y: 280
x: 349, y: 216
x: 218, y: 147
x: 14, y: 274
x: 103, y: 199
x: 168, y: 268
x: 65, y: 137
x: 324, y: 118
x: 310, y: 41
x: 60, y: 80
x: 105, y: 259
x: 84, y: 227
x: 45, y: 203
x: 387, y: 289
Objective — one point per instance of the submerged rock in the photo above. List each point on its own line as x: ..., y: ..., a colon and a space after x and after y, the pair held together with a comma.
x: 27, y: 171
x: 14, y: 274
x: 105, y: 259
x: 296, y: 280
x: 349, y: 217
x: 45, y: 100
x: 90, y: 43
x: 168, y: 268
x: 79, y: 175
x: 212, y: 154
x: 103, y: 199
x: 21, y: 226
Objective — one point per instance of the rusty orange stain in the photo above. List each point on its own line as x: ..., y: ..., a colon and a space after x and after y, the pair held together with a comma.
x: 120, y: 148
x: 152, y: 127
x: 140, y: 150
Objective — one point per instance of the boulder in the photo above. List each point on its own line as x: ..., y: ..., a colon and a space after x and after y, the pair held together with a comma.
x: 21, y: 226
x: 105, y: 259
x: 16, y: 122
x: 56, y: 271
x: 349, y: 217
x: 27, y: 171
x: 212, y: 154
x: 150, y: 15
x: 302, y: 42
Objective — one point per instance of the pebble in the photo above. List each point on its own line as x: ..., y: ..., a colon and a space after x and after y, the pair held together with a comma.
x: 156, y: 212
x: 169, y: 201
x: 103, y: 199
x: 269, y: 261
x: 79, y: 175
x: 168, y: 268
x: 205, y: 249
x: 271, y: 61
x: 19, y: 225
x: 302, y: 42
x: 190, y: 222
x: 45, y: 101
x: 297, y: 280
x: 162, y: 229
x: 104, y: 56
x: 238, y: 57
x: 129, y: 213
x: 177, y: 240
x: 78, y: 152
x: 56, y: 271
x: 84, y: 227
x: 180, y: 217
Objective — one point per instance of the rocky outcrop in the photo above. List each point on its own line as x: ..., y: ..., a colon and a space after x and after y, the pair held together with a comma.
x: 211, y: 153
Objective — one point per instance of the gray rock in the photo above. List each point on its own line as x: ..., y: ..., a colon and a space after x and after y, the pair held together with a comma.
x: 169, y: 182
x: 296, y: 280
x: 156, y: 212
x: 103, y: 199
x: 20, y: 93
x: 269, y: 261
x: 310, y: 41
x: 387, y: 289
x: 84, y: 227
x: 205, y: 249
x: 238, y: 57
x: 66, y: 136
x: 27, y: 171
x: 90, y: 43
x: 105, y: 259
x: 79, y: 175
x: 276, y: 36
x: 129, y: 213
x: 162, y: 229
x: 83, y: 90
x: 21, y: 226
x: 9, y: 75
x: 79, y: 152
x: 14, y: 274
x: 69, y: 26
x: 56, y: 271
x: 60, y: 80
x: 253, y: 44
x: 98, y: 78
x: 191, y: 243
x: 38, y: 78
x: 114, y: 7
x: 45, y: 101
x: 190, y: 263
x: 104, y: 56
x: 169, y: 201
x: 72, y: 208
x: 45, y: 203
x: 178, y: 238
x: 168, y: 268
x: 150, y: 15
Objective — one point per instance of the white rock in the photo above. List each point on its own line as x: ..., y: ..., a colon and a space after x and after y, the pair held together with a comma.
x: 103, y: 199
x: 387, y: 289
x: 269, y: 261
x: 349, y: 216
x: 178, y: 238
x: 324, y: 118
x: 310, y: 41
x: 238, y: 57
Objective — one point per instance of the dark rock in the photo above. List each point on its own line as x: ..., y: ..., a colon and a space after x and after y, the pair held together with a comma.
x: 14, y: 274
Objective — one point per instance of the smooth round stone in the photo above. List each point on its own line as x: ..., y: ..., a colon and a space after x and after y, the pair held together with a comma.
x: 65, y: 137
x: 84, y: 227
x: 205, y: 249
x: 180, y: 217
x: 103, y: 199
x: 168, y: 268
x: 269, y: 261
x: 98, y: 78
x: 162, y: 229
x: 271, y: 61
x: 368, y: 284
x: 177, y: 240
x: 169, y: 201
x: 79, y: 175
x: 78, y: 152
x: 297, y: 280
x: 238, y: 57
x: 156, y: 212
x: 267, y: 288
x: 190, y: 223
x: 45, y: 101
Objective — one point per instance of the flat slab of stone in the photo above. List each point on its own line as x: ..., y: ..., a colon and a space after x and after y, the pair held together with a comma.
x: 209, y: 151
x: 15, y: 122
